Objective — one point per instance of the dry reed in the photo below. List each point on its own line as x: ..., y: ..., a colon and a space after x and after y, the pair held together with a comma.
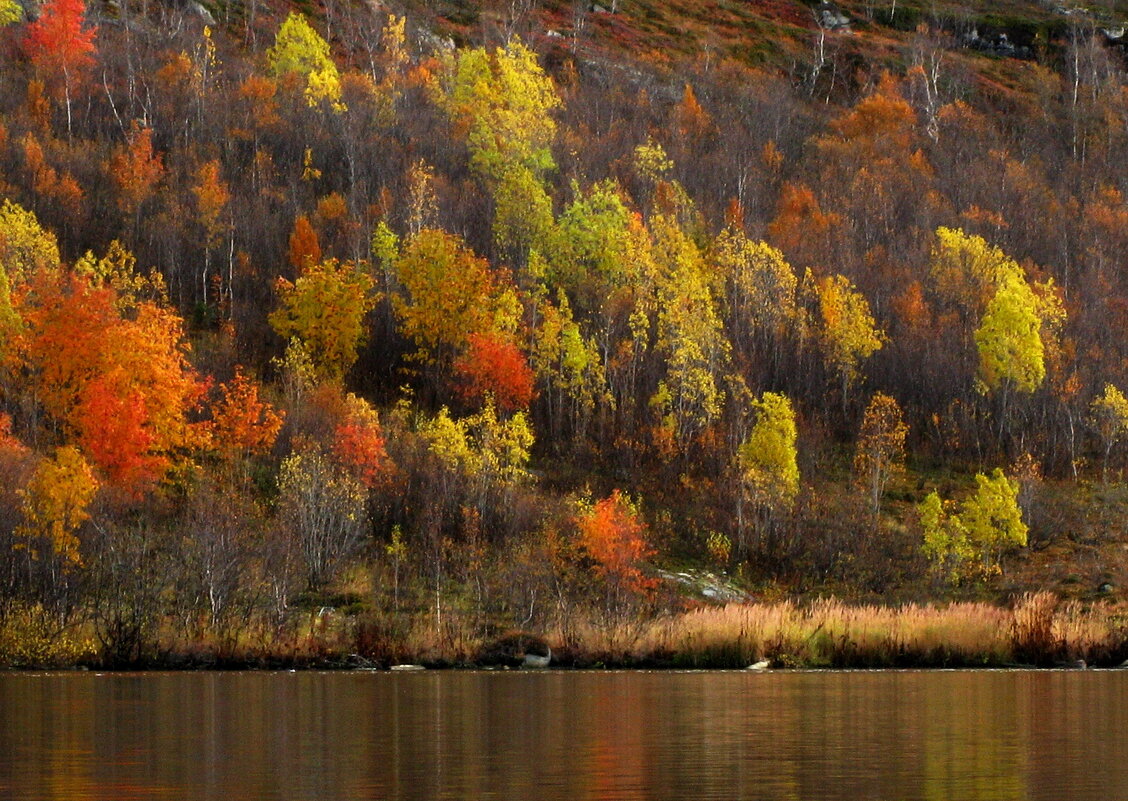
x: 830, y: 633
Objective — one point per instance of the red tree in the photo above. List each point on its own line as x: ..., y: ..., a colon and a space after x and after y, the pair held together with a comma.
x: 494, y: 366
x: 113, y: 431
x: 58, y: 45
x: 614, y: 534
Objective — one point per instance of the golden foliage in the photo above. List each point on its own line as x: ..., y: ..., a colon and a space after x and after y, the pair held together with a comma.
x: 325, y: 309
x: 55, y: 504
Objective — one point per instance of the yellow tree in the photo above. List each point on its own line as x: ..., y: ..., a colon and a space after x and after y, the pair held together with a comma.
x: 1109, y: 416
x: 1016, y: 324
x: 476, y: 462
x: 966, y: 269
x: 690, y: 336
x: 25, y: 247
x: 299, y: 50
x: 481, y: 446
x: 880, y: 450
x: 502, y: 100
x: 767, y: 463
x: 323, y: 507
x: 325, y: 310
x: 448, y: 294
x: 848, y: 333
x: 760, y: 289
x: 1011, y: 352
x: 970, y: 543
x: 10, y: 12
x: 9, y: 319
x: 568, y: 368
x: 55, y: 504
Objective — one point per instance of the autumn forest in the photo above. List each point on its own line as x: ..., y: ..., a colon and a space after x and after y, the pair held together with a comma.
x: 370, y: 331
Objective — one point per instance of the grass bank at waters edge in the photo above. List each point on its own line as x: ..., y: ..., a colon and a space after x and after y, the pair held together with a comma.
x: 1039, y: 630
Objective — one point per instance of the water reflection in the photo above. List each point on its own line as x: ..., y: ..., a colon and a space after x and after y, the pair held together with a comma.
x: 805, y: 736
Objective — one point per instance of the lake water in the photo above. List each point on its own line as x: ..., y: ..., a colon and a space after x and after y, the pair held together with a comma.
x: 539, y: 736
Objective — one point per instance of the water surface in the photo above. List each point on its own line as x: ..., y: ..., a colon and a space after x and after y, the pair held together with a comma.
x: 565, y: 735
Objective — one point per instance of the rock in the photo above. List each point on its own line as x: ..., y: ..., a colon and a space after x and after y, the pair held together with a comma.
x: 516, y: 649
x: 358, y: 662
x: 538, y: 660
x: 435, y: 43
x: 406, y: 668
x: 201, y: 12
x: 763, y: 664
x: 996, y: 45
x: 831, y: 17
x: 1073, y: 664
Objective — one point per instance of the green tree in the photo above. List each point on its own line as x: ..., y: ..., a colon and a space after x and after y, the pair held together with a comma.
x: 522, y: 213
x: 589, y: 255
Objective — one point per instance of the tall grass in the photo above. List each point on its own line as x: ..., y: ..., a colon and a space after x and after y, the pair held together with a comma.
x: 829, y: 633
x: 1038, y: 629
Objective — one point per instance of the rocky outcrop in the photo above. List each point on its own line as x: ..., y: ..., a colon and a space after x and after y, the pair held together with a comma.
x: 830, y: 17
x: 997, y: 44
